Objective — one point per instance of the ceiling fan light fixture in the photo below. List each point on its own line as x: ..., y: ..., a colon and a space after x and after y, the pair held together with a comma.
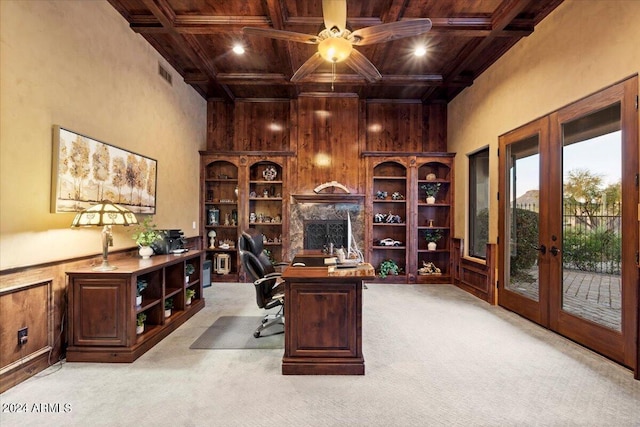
x: 335, y: 49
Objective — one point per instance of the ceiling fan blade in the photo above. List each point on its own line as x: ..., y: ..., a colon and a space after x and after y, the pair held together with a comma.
x: 308, y: 67
x: 281, y: 35
x: 391, y: 31
x: 360, y: 64
x: 335, y: 14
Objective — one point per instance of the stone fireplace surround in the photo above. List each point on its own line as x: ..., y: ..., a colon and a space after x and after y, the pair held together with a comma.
x: 317, y: 211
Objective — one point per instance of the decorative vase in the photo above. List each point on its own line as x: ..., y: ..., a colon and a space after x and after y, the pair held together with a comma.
x: 145, y: 252
x: 188, y: 301
x: 431, y: 200
x: 186, y: 279
x: 139, y: 329
x: 138, y: 300
x: 431, y: 177
x: 167, y: 313
x: 431, y: 246
x: 270, y: 173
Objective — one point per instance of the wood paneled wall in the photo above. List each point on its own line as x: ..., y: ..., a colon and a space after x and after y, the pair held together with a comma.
x: 327, y: 144
x: 326, y: 133
x: 475, y: 277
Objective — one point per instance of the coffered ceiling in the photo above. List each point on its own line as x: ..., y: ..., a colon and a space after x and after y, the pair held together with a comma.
x: 197, y: 36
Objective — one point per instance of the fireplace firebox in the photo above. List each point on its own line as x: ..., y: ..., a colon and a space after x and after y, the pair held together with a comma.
x: 319, y: 234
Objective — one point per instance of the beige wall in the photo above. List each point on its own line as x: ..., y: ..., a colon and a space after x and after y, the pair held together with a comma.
x: 580, y: 48
x: 77, y: 64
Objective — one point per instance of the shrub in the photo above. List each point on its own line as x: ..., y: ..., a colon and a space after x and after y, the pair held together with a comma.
x: 523, y: 253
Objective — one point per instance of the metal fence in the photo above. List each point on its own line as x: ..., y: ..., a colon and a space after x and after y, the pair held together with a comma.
x: 592, y: 236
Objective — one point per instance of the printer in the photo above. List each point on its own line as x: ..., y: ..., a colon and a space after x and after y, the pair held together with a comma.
x: 171, y: 242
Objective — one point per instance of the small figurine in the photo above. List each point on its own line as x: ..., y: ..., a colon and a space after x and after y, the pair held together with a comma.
x: 428, y: 268
x: 381, y: 195
x: 397, y: 196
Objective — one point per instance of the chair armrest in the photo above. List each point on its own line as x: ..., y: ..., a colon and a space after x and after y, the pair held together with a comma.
x: 269, y: 276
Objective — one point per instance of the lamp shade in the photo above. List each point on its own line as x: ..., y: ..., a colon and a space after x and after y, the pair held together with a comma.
x: 335, y: 49
x: 104, y: 213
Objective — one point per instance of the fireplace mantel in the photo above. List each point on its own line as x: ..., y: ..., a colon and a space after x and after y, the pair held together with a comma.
x: 329, y: 198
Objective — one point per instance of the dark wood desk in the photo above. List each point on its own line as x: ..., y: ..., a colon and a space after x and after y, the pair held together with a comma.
x: 323, y: 327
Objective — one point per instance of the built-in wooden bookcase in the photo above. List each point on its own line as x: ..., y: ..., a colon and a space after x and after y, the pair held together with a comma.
x: 220, y: 178
x: 266, y: 209
x: 388, y: 195
x: 437, y: 216
x: 235, y: 186
x: 395, y: 190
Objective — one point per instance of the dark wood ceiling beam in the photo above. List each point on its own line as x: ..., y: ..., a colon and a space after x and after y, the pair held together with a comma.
x: 188, y: 24
x: 163, y: 12
x: 276, y: 78
x: 277, y: 15
x: 501, y: 18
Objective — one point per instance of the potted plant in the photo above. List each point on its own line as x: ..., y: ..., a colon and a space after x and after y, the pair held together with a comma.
x: 189, y: 294
x: 431, y: 189
x: 432, y: 236
x: 168, y: 306
x: 141, y: 285
x: 140, y: 323
x: 189, y: 269
x: 388, y: 267
x: 145, y: 235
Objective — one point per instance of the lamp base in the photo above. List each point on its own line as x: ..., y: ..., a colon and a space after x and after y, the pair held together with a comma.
x: 105, y: 266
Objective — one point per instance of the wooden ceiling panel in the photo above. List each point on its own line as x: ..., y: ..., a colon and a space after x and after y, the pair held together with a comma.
x: 196, y: 37
x: 216, y: 7
x: 446, y: 9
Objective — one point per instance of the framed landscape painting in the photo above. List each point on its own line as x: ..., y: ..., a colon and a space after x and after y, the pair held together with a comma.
x: 86, y: 171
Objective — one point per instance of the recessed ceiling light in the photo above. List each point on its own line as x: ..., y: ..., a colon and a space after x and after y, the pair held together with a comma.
x: 238, y: 49
x: 420, y: 51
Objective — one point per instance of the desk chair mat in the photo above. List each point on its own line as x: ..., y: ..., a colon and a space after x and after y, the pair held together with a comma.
x: 236, y: 332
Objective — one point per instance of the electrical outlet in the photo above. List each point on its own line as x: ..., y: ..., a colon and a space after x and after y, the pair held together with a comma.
x: 23, y: 336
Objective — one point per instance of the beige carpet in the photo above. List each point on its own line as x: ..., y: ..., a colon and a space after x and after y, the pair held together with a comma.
x: 435, y: 356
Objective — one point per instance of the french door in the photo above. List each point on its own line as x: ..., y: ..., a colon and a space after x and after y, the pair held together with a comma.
x: 568, y: 222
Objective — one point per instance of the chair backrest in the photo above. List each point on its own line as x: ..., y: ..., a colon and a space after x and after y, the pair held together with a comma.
x: 256, y: 264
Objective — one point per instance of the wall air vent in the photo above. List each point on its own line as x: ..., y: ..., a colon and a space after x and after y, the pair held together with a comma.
x: 165, y: 74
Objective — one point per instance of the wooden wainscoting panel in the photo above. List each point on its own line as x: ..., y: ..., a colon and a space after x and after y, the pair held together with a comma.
x: 475, y: 276
x: 31, y: 306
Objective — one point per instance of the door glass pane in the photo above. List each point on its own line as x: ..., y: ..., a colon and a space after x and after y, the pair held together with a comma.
x: 592, y: 206
x: 522, y: 218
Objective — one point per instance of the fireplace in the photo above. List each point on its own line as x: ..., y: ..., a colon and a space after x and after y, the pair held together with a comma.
x: 303, y: 214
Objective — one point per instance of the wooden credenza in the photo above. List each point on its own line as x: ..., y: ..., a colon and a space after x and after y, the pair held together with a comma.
x: 103, y: 311
x: 323, y: 328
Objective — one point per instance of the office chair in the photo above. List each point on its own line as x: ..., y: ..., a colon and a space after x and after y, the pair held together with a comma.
x: 268, y: 285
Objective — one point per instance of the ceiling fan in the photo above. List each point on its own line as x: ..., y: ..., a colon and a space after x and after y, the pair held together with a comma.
x: 335, y: 42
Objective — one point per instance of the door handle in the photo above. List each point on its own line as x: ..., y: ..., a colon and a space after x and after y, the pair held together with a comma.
x: 554, y: 251
x: 541, y: 248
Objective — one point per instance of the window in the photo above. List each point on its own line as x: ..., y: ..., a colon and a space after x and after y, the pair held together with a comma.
x: 478, y: 203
